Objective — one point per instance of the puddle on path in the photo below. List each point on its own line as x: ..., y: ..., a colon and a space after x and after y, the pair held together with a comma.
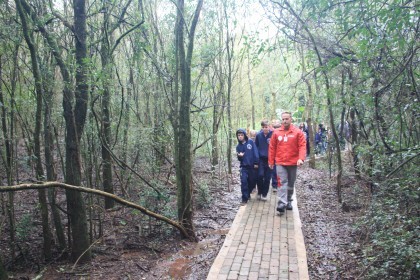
x: 181, y: 267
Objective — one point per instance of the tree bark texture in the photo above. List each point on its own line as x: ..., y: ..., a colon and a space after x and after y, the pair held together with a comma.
x: 42, y: 196
x: 106, y: 121
x: 184, y: 154
x: 75, y: 120
x: 3, y: 272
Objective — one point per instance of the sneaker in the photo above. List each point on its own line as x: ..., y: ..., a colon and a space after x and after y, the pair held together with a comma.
x: 274, y: 189
x: 259, y: 197
x: 281, y: 207
x: 264, y: 197
x: 289, y: 205
x: 243, y: 202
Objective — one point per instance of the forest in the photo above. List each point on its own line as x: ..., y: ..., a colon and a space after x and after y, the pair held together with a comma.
x: 117, y: 113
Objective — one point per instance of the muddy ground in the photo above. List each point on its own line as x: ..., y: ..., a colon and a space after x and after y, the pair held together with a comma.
x: 133, y: 249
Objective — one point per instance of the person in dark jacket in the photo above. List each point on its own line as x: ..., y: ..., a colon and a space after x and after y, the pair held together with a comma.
x: 320, y: 140
x: 248, y: 157
x: 262, y: 141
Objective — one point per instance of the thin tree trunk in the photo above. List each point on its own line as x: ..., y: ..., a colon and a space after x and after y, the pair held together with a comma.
x: 106, y: 122
x: 3, y: 272
x: 8, y: 134
x: 309, y: 110
x: 273, y: 105
x: 229, y: 51
x: 252, y: 96
x: 214, y: 142
x: 37, y: 134
x: 50, y: 169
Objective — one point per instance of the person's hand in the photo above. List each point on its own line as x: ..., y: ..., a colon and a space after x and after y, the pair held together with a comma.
x: 255, y: 166
x: 299, y: 162
x: 241, y: 154
x: 271, y: 166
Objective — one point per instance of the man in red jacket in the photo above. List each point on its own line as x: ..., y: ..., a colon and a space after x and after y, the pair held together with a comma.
x: 288, y: 150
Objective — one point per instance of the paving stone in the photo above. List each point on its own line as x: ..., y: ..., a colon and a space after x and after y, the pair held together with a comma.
x: 262, y: 245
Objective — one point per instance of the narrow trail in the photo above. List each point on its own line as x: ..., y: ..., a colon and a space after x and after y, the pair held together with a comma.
x: 262, y: 244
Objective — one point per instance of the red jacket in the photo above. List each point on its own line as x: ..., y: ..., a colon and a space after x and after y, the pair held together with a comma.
x: 287, y: 152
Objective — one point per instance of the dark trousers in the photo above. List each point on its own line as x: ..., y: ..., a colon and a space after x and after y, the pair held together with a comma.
x: 264, y: 176
x: 247, y: 182
x: 274, y: 181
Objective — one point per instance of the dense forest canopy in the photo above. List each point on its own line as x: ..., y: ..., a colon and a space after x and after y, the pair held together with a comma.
x: 107, y: 94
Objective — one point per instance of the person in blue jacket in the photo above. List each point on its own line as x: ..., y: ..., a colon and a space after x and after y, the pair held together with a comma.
x: 262, y: 140
x: 248, y: 157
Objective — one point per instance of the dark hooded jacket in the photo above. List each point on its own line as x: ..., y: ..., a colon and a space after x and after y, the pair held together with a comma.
x: 250, y: 157
x: 262, y: 141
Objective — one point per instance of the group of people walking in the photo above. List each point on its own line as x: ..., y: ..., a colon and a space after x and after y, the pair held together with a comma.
x: 278, y: 150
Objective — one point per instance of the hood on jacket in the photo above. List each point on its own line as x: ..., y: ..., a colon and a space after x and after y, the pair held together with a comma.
x: 241, y: 130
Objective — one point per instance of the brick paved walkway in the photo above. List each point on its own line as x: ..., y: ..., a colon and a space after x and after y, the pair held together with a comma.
x: 262, y: 245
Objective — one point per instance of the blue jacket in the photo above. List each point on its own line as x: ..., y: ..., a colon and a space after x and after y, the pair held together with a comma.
x: 250, y: 157
x: 262, y: 142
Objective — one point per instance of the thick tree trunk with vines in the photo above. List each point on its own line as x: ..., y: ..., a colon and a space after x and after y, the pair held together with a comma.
x: 184, y: 153
x: 75, y: 121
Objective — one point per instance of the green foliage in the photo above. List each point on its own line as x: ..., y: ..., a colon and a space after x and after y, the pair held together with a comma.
x: 203, y: 198
x: 24, y: 227
x: 392, y: 228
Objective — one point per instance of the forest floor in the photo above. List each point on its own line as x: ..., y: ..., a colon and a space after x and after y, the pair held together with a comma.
x: 131, y: 250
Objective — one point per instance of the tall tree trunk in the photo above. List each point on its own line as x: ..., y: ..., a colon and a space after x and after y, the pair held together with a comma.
x: 8, y: 134
x: 214, y: 142
x: 273, y: 105
x: 354, y: 141
x: 309, y: 110
x: 251, y: 89
x: 75, y: 121
x: 106, y: 122
x: 229, y: 52
x: 184, y: 154
x: 3, y: 272
x: 37, y: 134
x: 49, y: 161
